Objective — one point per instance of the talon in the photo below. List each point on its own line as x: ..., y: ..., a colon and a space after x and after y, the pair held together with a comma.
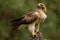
x: 34, y: 34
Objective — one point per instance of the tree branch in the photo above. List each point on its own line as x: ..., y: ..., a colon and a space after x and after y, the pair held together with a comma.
x: 38, y: 36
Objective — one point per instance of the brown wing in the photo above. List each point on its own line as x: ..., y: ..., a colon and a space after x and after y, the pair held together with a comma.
x: 27, y: 19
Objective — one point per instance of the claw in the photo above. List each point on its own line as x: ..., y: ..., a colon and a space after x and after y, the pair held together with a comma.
x: 34, y: 34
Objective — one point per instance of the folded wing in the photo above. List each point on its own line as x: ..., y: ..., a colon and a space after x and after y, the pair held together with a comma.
x: 27, y: 19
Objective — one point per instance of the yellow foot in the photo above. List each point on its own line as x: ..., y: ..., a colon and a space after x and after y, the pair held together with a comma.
x: 34, y: 34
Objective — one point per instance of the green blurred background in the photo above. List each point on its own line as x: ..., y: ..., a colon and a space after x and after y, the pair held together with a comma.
x: 11, y: 9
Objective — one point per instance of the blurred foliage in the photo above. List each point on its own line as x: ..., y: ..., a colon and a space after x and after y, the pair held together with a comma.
x: 11, y: 9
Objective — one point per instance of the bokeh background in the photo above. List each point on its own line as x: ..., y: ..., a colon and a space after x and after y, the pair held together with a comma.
x: 11, y: 9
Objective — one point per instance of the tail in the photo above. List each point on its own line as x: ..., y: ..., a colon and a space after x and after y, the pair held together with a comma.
x: 14, y: 29
x: 16, y: 26
x: 16, y: 23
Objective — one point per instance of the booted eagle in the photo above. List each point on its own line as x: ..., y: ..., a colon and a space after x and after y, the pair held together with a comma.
x: 32, y: 19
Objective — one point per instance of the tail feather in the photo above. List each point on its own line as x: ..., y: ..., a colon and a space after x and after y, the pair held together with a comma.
x: 16, y: 23
x: 15, y: 29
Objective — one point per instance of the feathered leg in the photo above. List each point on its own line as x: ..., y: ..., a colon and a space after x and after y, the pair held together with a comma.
x: 37, y: 28
x: 32, y: 29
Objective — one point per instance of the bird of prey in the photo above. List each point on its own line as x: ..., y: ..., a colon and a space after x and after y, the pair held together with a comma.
x: 32, y: 19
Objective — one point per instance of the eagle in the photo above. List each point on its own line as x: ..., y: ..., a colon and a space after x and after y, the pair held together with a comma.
x: 32, y: 19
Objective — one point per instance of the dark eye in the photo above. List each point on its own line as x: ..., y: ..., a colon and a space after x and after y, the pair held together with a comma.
x: 41, y: 5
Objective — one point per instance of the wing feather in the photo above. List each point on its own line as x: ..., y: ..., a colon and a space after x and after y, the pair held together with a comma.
x: 27, y: 19
x: 18, y: 19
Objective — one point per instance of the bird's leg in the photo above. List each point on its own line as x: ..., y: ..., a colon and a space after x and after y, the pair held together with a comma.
x: 32, y: 29
x: 37, y: 28
x: 33, y: 33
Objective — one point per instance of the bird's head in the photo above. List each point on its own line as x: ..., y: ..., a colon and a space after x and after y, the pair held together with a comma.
x: 42, y: 7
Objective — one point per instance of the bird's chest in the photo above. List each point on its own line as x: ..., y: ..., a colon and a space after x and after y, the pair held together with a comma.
x: 41, y: 16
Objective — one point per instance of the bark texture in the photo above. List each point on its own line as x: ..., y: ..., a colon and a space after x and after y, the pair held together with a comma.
x: 38, y: 36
